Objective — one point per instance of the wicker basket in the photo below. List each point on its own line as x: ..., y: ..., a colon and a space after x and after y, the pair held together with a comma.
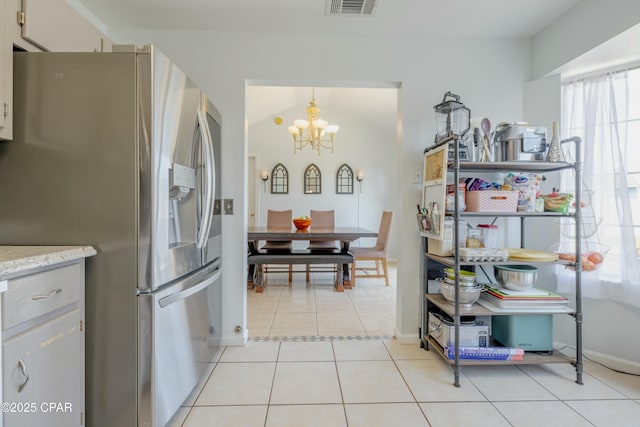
x: 492, y: 201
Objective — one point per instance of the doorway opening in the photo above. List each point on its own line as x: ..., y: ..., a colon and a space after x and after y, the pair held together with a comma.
x: 368, y: 142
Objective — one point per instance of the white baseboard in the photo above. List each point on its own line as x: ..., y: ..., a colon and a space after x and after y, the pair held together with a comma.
x: 406, y: 338
x: 236, y: 340
x: 613, y: 362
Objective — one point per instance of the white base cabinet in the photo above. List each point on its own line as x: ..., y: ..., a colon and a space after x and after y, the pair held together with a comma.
x: 43, y: 377
x: 43, y: 348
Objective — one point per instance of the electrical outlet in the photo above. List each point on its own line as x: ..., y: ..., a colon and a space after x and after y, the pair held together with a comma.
x: 228, y: 206
x: 417, y: 175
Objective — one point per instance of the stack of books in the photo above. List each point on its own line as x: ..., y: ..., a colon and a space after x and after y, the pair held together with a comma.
x: 486, y: 353
x: 529, y: 299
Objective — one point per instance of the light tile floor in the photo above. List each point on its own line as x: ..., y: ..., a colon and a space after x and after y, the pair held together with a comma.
x: 376, y: 381
x: 379, y: 382
x: 316, y: 309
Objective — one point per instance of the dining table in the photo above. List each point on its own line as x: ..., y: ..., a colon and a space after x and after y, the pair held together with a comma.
x: 344, y: 235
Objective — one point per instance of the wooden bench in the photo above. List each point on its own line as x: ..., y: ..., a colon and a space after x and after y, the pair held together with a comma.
x: 296, y: 256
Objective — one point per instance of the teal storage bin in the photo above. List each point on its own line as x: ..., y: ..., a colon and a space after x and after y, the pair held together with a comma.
x: 529, y: 332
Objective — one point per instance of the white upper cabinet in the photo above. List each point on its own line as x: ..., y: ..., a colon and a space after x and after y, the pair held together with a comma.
x: 55, y: 26
x: 5, y: 52
x: 11, y: 36
x: 33, y: 25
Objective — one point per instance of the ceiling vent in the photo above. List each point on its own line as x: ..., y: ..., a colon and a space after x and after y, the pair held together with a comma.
x: 351, y: 7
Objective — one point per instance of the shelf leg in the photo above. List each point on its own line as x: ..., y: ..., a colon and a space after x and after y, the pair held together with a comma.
x: 578, y: 220
x: 579, y: 374
x: 456, y: 376
x: 579, y: 364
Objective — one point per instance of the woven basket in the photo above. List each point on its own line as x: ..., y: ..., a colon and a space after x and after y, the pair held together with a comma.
x: 492, y: 201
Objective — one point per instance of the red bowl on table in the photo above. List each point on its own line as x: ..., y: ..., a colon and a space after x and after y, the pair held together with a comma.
x: 302, y: 223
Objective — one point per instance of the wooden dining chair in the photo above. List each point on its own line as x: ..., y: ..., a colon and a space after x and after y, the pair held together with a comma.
x: 279, y: 219
x: 376, y: 253
x: 322, y: 219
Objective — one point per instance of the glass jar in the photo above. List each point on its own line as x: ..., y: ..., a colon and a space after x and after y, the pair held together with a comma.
x: 489, y: 235
x: 474, y: 238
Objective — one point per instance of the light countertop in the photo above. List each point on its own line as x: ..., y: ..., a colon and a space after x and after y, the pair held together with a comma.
x: 16, y: 259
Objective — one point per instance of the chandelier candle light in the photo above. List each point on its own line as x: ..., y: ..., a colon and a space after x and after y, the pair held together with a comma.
x: 316, y: 130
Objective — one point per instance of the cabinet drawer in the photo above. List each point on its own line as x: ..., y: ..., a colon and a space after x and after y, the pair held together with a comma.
x: 43, y: 372
x: 39, y: 293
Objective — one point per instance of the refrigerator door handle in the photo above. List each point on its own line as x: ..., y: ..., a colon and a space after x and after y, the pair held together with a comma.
x: 207, y: 148
x: 185, y: 293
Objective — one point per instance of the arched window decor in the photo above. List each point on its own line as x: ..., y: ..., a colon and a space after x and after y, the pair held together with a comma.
x: 344, y: 180
x: 279, y: 179
x: 312, y: 180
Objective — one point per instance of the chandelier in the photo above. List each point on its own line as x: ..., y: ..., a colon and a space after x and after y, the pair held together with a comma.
x: 319, y: 132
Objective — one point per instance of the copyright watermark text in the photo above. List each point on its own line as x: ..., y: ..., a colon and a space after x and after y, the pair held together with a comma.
x: 33, y: 407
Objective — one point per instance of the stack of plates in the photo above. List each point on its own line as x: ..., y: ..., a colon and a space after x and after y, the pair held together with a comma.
x: 533, y: 298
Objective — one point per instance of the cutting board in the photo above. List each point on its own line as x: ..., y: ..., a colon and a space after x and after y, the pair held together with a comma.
x: 533, y: 255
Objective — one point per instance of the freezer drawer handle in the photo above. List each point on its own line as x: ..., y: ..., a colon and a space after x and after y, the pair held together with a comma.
x: 168, y: 300
x: 49, y: 295
x: 23, y: 368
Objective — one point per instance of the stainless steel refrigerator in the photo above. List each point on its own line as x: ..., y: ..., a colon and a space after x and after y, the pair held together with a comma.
x: 122, y: 151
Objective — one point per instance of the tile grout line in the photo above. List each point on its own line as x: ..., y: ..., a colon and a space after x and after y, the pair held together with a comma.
x: 204, y: 384
x: 273, y: 380
x: 404, y: 380
x: 315, y: 302
x: 558, y: 397
x: 335, y: 364
x: 491, y: 402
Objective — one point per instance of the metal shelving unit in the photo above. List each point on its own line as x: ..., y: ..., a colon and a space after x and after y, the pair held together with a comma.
x: 455, y: 311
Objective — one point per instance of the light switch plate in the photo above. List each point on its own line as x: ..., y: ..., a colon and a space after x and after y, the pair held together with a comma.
x: 228, y: 206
